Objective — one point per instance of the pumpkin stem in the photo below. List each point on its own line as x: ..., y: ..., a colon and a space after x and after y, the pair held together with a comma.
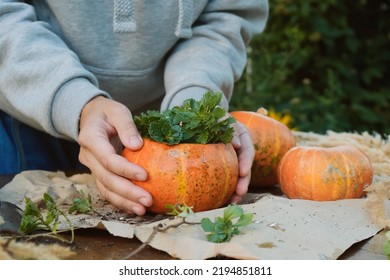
x: 262, y: 111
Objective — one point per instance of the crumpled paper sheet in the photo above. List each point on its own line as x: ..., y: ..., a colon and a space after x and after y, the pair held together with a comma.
x: 63, y: 189
x: 282, y: 229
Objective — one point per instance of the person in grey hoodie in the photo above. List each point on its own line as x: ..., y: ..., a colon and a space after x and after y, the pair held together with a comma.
x: 73, y: 73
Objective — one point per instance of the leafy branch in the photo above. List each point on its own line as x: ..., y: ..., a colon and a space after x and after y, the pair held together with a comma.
x: 200, y: 122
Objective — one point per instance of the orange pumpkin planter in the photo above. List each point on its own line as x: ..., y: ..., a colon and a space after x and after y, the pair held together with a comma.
x: 271, y: 138
x: 203, y: 176
x: 324, y: 174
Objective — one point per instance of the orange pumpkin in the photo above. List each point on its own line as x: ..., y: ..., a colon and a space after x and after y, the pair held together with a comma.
x: 203, y: 176
x: 324, y: 174
x: 271, y: 139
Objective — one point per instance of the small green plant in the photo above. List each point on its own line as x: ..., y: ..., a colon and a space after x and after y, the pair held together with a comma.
x: 200, y: 122
x: 180, y: 210
x: 82, y: 204
x: 386, y: 247
x: 34, y: 220
x: 223, y: 228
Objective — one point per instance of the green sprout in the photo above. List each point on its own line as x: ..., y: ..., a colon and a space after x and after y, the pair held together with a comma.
x: 179, y: 210
x: 223, y: 228
x: 81, y: 204
x: 34, y: 220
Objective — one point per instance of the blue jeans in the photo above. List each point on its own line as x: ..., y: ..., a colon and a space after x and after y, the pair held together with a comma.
x: 25, y: 148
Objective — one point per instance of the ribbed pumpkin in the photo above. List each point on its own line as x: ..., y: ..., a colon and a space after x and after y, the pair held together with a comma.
x: 271, y: 139
x: 324, y: 174
x: 203, y: 176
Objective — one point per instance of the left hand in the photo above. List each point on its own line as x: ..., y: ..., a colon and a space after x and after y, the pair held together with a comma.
x: 242, y: 143
x: 105, y: 127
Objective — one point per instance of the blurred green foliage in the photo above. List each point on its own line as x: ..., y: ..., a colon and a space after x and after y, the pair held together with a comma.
x: 324, y: 62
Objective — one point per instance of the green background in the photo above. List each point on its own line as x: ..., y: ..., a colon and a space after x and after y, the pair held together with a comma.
x: 326, y: 63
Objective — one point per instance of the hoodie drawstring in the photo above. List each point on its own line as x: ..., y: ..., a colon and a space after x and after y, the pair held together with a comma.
x: 124, y: 19
x: 183, y: 27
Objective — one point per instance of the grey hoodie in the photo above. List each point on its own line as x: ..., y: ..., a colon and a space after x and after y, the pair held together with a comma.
x: 56, y: 55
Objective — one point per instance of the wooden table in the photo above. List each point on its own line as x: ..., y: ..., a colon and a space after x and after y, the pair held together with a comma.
x: 95, y: 244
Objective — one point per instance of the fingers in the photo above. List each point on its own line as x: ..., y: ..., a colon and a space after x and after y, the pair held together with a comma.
x: 112, y: 118
x: 124, y: 204
x: 245, y: 149
x: 243, y: 144
x: 100, y: 150
x: 104, y: 155
x: 241, y: 189
x: 104, y: 126
x: 236, y: 142
x: 118, y: 190
x: 125, y: 127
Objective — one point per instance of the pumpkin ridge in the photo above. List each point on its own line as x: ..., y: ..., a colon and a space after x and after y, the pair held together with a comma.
x: 227, y: 172
x: 250, y: 120
x: 298, y: 176
x: 348, y: 177
x: 207, y: 193
x: 313, y: 175
x: 361, y: 175
x: 276, y: 147
x: 181, y: 178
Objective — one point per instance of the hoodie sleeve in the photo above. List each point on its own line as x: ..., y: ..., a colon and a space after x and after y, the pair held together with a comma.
x: 42, y: 82
x: 215, y: 56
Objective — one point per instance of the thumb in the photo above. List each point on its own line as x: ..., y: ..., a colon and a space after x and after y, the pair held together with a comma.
x: 121, y: 119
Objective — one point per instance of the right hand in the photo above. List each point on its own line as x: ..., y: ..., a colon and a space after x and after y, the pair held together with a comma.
x: 105, y: 127
x: 243, y: 144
